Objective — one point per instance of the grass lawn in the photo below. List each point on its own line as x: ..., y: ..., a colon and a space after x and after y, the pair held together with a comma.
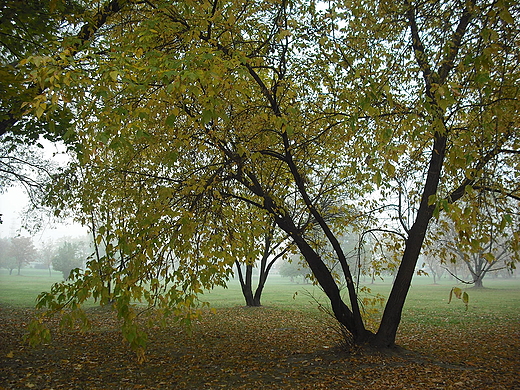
x: 22, y: 290
x: 286, y: 344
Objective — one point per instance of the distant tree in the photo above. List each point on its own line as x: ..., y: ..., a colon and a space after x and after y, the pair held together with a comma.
x: 47, y: 252
x: 493, y: 256
x: 483, y: 242
x: 67, y: 259
x: 434, y: 266
x: 22, y: 251
x: 266, y: 244
x: 294, y: 269
x: 6, y: 258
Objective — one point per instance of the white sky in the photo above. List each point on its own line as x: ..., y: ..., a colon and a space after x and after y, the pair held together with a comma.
x: 14, y: 200
x: 12, y: 203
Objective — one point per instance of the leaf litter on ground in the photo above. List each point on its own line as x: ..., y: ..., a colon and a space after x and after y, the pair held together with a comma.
x: 259, y: 348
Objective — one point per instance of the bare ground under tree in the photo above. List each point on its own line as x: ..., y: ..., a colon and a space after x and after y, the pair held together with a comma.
x: 258, y: 348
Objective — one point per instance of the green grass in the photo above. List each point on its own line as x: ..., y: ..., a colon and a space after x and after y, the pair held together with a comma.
x: 426, y: 304
x: 22, y: 290
x: 278, y: 291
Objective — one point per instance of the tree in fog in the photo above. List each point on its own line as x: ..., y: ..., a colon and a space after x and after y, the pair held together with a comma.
x: 6, y: 258
x: 294, y: 269
x: 483, y: 242
x: 433, y: 266
x: 67, y: 258
x: 22, y: 250
x: 46, y: 253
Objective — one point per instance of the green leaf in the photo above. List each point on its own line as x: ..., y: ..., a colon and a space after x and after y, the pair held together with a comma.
x: 207, y: 116
x: 170, y: 120
x: 505, y: 15
x: 465, y: 299
x: 114, y: 75
x: 457, y: 291
x: 377, y: 178
x: 432, y: 199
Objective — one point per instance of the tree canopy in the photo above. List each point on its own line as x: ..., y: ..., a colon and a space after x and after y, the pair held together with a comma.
x: 322, y: 116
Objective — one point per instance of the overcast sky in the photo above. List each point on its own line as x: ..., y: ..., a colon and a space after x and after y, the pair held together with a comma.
x: 12, y: 204
x: 14, y: 200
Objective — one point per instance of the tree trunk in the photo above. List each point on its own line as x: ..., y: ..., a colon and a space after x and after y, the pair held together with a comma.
x: 387, y: 331
x: 352, y: 321
x: 392, y: 315
x: 259, y: 289
x: 246, y: 284
x: 391, y: 319
x: 478, y: 282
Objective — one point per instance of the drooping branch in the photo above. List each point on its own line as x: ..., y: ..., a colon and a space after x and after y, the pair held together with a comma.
x: 456, y: 277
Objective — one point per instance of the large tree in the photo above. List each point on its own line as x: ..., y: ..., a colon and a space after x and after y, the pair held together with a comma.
x: 185, y: 109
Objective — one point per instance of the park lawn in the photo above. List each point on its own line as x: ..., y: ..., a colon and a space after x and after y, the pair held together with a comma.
x: 286, y: 344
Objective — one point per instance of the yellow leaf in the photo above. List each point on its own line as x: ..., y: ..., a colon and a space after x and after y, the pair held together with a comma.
x: 114, y: 74
x: 10, y: 355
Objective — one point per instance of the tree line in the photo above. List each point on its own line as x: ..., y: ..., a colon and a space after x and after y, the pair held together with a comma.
x: 63, y: 256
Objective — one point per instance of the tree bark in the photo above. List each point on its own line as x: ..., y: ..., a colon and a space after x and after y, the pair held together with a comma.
x: 246, y: 284
x: 478, y: 282
x: 387, y: 331
x: 391, y: 319
x: 324, y: 277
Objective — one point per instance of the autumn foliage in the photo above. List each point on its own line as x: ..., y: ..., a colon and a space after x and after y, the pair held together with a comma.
x: 386, y: 117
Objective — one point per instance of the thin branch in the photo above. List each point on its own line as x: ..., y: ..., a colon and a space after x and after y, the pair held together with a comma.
x: 456, y: 277
x: 403, y: 236
x: 497, y: 190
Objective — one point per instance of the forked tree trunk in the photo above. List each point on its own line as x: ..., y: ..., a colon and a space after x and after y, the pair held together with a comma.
x: 246, y: 284
x: 385, y: 336
x: 350, y: 319
x: 263, y: 270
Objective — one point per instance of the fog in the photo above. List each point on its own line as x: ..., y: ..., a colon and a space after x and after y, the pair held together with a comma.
x: 13, y: 202
x: 12, y: 205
